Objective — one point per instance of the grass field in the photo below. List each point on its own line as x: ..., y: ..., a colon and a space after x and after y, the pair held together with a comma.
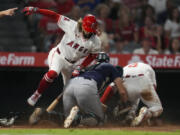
x: 80, y: 132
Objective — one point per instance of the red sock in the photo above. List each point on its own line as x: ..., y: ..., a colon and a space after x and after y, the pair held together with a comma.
x: 46, y: 81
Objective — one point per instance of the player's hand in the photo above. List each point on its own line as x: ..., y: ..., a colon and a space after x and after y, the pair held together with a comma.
x: 30, y: 10
x: 124, y: 96
x: 10, y: 11
x: 76, y: 72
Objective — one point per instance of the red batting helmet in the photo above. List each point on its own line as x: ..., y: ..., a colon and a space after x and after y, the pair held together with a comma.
x: 89, y: 23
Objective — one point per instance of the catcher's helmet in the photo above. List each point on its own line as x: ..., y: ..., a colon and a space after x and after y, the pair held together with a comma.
x: 89, y: 23
x: 102, y: 57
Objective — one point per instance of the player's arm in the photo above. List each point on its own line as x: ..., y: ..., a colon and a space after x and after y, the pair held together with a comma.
x: 84, y: 64
x: 88, y: 60
x: 51, y: 14
x: 116, y: 75
x: 66, y: 24
x: 108, y: 93
x: 116, y: 78
x: 121, y: 89
x: 8, y: 12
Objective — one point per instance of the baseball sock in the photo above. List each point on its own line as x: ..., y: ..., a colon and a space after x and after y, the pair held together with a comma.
x: 46, y: 81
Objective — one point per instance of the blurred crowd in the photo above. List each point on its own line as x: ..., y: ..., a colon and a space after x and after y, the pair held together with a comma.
x: 124, y: 26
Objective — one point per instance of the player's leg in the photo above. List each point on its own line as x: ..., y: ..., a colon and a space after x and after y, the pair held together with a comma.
x: 69, y: 104
x: 150, y: 98
x: 133, y: 86
x: 88, y: 101
x: 153, y: 103
x: 132, y: 112
x: 66, y: 74
x: 55, y: 65
x: 68, y: 98
x: 152, y: 76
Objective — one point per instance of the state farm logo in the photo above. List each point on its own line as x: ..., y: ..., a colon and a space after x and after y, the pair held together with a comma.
x: 12, y: 59
x: 135, y: 58
x: 165, y: 61
x: 157, y: 61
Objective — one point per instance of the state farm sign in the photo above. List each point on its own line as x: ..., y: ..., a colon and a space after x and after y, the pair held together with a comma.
x: 23, y: 59
x: 156, y: 61
x: 40, y: 60
x: 12, y: 59
x: 164, y: 61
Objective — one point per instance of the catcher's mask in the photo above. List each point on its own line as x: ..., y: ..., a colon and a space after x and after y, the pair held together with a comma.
x: 102, y: 57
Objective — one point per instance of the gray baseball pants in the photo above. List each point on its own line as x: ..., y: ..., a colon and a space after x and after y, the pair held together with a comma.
x: 83, y: 93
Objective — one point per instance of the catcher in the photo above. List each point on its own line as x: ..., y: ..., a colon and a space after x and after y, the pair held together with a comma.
x: 140, y: 83
x: 81, y: 93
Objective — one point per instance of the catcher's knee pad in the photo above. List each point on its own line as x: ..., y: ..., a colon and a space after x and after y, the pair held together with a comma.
x: 50, y: 75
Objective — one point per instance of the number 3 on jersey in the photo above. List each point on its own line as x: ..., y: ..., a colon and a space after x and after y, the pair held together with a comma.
x: 133, y: 65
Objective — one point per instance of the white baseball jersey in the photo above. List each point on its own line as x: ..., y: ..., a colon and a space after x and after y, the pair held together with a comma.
x: 73, y: 45
x: 139, y: 68
x: 139, y: 80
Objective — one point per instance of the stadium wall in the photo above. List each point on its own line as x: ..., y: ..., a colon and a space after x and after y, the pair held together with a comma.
x: 18, y: 83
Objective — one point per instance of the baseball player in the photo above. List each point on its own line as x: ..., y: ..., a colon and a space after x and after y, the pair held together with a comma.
x: 140, y: 83
x: 8, y: 12
x: 81, y: 93
x: 79, y: 40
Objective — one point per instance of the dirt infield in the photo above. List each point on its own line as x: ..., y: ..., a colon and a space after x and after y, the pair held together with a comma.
x: 48, y: 124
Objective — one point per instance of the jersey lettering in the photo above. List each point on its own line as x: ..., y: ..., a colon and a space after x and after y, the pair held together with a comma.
x: 70, y: 43
x: 76, y: 46
x: 133, y: 65
x: 85, y: 51
x: 66, y: 19
x: 81, y: 48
